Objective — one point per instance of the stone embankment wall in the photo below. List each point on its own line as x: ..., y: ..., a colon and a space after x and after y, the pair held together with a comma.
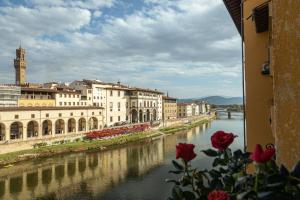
x: 181, y: 121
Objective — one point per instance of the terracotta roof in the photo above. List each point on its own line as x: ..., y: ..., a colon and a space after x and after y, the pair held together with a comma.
x: 169, y: 98
x: 145, y: 90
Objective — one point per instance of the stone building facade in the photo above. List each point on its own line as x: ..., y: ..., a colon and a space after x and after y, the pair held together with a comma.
x: 143, y: 105
x: 169, y: 108
x: 29, y: 123
x: 20, y: 66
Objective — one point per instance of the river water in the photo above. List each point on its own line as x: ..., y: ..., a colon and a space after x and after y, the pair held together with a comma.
x: 135, y: 171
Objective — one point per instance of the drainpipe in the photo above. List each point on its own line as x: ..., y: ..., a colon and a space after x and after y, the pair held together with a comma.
x: 243, y: 73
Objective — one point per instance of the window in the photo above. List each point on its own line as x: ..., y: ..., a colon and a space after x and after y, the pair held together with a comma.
x: 111, y: 106
x: 65, y: 95
x: 144, y: 103
x: 47, y: 114
x: 119, y: 118
x: 119, y: 106
x: 69, y: 103
x: 119, y: 93
x: 59, y: 114
x: 32, y: 116
x: 126, y: 117
x: 89, y: 91
x: 111, y: 119
x: 60, y: 103
x: 73, y: 103
x: 81, y: 113
x: 65, y: 103
x: 77, y: 103
x: 60, y: 95
x: 111, y: 93
x: 92, y: 113
x: 71, y: 114
x: 126, y: 104
x: 99, y: 113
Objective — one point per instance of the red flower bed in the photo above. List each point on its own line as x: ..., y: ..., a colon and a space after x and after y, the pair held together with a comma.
x: 110, y: 132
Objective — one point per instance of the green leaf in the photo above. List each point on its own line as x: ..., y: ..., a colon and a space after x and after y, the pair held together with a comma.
x: 214, y: 173
x: 284, y: 171
x: 246, y: 195
x: 189, y: 195
x: 219, y: 161
x: 175, y: 172
x: 177, y: 165
x: 172, y: 181
x: 265, y: 195
x: 296, y: 170
x: 177, y: 193
x: 210, y: 152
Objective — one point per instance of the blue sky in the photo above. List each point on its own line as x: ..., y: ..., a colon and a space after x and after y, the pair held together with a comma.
x: 189, y: 48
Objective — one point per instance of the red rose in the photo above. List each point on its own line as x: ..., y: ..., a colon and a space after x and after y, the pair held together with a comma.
x: 185, y: 151
x: 218, y: 195
x: 261, y: 156
x: 221, y: 140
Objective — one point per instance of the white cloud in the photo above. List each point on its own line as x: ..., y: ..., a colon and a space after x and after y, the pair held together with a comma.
x: 162, y: 42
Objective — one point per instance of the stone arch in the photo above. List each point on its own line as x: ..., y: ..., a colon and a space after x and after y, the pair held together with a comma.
x: 59, y: 126
x: 154, y: 115
x: 134, y: 116
x: 71, y: 125
x: 93, y: 123
x: 2, y: 131
x: 147, y: 115
x: 16, y: 130
x: 81, y: 124
x: 32, y: 129
x: 47, y: 127
x: 140, y: 116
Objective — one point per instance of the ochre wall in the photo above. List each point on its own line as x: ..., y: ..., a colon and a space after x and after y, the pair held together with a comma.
x: 258, y: 87
x: 36, y: 102
x: 286, y: 67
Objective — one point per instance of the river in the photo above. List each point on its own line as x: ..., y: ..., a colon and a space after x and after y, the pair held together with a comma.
x: 132, y: 172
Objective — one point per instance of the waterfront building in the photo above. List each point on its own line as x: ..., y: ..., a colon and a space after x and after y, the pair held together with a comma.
x: 20, y: 66
x: 184, y: 110
x: 169, y: 108
x: 270, y: 34
x: 143, y: 105
x: 202, y: 107
x: 110, y: 96
x: 9, y: 95
x: 31, y: 123
x: 195, y: 109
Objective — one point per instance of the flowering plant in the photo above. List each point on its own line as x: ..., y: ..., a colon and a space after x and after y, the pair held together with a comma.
x: 228, y: 178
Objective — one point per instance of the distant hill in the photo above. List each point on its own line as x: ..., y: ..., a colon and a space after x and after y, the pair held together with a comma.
x: 217, y: 100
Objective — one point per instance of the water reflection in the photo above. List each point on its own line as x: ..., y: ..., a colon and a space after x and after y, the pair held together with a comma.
x: 94, y: 175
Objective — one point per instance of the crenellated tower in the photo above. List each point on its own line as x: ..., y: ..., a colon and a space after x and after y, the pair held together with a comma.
x: 20, y: 66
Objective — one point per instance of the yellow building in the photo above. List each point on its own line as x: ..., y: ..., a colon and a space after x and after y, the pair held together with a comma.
x: 37, y: 97
x: 271, y: 37
x: 169, y: 108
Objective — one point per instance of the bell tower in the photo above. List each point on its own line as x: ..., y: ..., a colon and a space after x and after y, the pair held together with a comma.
x: 20, y: 66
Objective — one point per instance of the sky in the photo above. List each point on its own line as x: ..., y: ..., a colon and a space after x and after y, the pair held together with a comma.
x: 188, y: 48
